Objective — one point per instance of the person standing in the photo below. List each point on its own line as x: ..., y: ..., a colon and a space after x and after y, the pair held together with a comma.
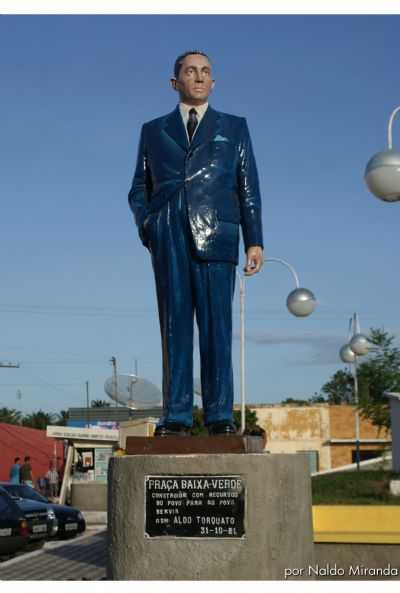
x: 25, y: 473
x: 195, y: 183
x: 14, y: 471
x: 52, y: 479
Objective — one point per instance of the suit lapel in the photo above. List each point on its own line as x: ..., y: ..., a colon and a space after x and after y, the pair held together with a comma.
x: 176, y: 130
x: 207, y: 128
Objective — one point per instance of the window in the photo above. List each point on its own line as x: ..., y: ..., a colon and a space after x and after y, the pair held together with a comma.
x: 365, y: 454
x: 4, y: 506
x: 313, y: 460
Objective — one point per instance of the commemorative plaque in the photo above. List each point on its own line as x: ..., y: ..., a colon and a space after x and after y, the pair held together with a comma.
x: 195, y: 506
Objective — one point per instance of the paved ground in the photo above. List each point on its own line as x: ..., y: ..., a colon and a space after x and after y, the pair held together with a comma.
x: 83, y: 558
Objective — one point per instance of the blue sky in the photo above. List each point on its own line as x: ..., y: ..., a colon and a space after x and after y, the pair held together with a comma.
x: 77, y: 285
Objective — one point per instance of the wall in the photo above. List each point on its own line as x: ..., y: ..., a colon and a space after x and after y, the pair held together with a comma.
x: 309, y: 428
x: 296, y: 428
x: 342, y: 426
x: 19, y: 441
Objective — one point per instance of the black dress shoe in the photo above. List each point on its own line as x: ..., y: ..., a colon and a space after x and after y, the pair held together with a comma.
x: 221, y: 428
x: 172, y: 430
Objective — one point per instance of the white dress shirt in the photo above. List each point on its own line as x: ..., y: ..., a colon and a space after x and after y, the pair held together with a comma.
x: 184, y: 109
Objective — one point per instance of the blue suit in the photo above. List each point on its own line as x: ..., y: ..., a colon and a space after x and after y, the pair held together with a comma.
x: 188, y: 201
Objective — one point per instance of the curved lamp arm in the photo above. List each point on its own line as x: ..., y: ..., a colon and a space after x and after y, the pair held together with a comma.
x: 285, y: 263
x: 394, y: 113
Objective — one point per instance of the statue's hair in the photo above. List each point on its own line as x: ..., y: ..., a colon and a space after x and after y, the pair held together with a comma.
x: 179, y: 59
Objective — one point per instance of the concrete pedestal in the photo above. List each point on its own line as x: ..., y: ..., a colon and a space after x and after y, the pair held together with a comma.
x: 277, y: 520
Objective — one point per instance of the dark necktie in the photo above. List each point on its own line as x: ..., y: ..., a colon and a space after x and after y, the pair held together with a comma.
x: 192, y: 123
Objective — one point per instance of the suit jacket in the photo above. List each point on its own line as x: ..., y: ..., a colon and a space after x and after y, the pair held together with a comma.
x: 217, y: 172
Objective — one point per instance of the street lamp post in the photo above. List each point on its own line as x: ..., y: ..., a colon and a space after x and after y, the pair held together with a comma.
x: 382, y: 174
x: 357, y: 345
x: 301, y: 302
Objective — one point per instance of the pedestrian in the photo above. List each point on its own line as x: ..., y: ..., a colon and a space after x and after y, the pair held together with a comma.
x: 14, y: 471
x: 25, y: 473
x: 195, y: 183
x: 52, y: 478
x: 60, y: 469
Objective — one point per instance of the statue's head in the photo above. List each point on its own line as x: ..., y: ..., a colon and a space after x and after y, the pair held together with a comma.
x: 193, y: 77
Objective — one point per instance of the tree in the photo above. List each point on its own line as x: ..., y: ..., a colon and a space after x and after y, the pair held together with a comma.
x: 100, y: 403
x: 340, y: 389
x: 198, y: 427
x: 10, y: 416
x: 290, y: 401
x: 379, y: 372
x: 62, y: 418
x: 39, y: 419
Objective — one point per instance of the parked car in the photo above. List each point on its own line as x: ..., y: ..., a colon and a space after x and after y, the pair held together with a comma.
x: 31, y: 523
x: 14, y: 531
x: 70, y: 520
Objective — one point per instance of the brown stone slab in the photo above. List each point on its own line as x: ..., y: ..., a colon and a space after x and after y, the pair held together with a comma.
x: 192, y: 445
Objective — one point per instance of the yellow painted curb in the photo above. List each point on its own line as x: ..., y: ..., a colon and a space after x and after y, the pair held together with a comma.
x: 356, y: 524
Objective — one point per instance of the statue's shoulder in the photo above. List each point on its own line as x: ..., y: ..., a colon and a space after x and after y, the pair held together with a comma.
x: 231, y: 122
x: 234, y: 119
x: 158, y: 121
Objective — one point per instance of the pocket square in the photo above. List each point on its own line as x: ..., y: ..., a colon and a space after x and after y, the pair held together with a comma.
x: 219, y: 138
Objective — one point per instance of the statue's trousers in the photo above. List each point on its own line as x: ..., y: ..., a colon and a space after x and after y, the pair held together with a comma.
x: 186, y: 285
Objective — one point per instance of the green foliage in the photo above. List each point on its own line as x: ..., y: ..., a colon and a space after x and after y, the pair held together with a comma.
x: 62, y: 418
x: 100, y: 403
x: 340, y: 389
x: 250, y: 418
x: 290, y: 401
x: 378, y: 372
x: 317, y: 398
x: 10, y: 416
x: 198, y: 427
x: 198, y: 422
x: 38, y: 420
x: 358, y: 487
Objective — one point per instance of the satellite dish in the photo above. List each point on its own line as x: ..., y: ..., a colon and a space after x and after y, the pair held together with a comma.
x: 134, y: 392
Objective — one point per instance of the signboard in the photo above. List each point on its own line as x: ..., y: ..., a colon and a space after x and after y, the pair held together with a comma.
x: 89, y: 434
x: 195, y: 506
x: 101, y: 458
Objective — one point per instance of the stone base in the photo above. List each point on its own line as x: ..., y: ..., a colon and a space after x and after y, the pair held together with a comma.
x: 174, y: 445
x: 277, y: 520
x: 89, y: 496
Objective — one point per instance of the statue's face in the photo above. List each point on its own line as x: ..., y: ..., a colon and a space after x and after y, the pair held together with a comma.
x: 194, y: 83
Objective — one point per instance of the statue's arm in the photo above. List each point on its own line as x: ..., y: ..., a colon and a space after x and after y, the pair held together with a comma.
x: 249, y: 192
x: 139, y: 193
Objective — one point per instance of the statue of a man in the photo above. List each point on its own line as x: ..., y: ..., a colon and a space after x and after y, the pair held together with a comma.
x: 195, y: 183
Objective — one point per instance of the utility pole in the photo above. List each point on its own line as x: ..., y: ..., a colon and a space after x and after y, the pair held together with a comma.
x: 113, y: 361
x: 87, y: 404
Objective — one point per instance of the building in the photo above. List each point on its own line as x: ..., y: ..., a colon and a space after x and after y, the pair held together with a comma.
x: 18, y: 441
x: 325, y: 432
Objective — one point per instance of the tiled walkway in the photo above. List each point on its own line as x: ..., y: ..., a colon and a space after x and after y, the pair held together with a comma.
x: 80, y: 559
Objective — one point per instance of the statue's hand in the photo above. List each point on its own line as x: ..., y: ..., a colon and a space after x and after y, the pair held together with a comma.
x: 254, y: 260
